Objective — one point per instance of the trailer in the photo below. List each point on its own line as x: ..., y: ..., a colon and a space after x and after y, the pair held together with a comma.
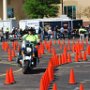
x: 35, y: 23
x: 62, y: 21
x: 8, y: 24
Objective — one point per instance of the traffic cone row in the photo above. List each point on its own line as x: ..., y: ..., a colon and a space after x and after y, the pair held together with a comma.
x: 63, y: 59
x: 47, y: 77
x: 14, y: 45
x: 10, y: 51
x: 11, y: 54
x: 77, y: 47
x: 9, y: 79
x: 80, y: 55
x: 40, y: 50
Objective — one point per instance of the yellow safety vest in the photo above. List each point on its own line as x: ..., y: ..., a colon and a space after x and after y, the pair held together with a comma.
x: 82, y: 29
x: 37, y: 38
x: 31, y: 38
x: 7, y: 30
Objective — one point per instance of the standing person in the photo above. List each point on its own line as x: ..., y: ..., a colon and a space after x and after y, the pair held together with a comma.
x: 21, y: 32
x: 82, y: 32
x: 7, y: 33
x: 55, y: 32
x: 45, y: 31
x: 89, y: 32
x: 49, y: 33
x: 62, y: 32
x: 69, y: 32
x: 41, y: 32
x: 1, y: 35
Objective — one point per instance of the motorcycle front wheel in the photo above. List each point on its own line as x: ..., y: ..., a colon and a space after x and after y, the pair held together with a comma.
x: 25, y: 68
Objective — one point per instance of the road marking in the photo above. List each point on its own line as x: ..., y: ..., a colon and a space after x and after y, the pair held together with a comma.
x: 81, y: 62
x: 77, y: 88
x: 8, y: 63
x: 84, y: 81
x: 14, y: 72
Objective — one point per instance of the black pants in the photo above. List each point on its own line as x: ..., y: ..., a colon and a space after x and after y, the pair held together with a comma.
x: 7, y: 35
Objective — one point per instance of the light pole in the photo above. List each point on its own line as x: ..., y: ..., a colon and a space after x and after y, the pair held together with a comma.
x: 4, y: 9
x: 62, y: 8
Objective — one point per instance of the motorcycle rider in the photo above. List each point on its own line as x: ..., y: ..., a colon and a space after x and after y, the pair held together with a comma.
x: 31, y: 37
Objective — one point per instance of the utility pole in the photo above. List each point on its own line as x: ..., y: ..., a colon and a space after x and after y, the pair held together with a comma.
x: 4, y: 9
x: 62, y: 8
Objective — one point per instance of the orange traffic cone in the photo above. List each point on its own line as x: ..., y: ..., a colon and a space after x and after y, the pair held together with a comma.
x: 60, y: 60
x: 80, y: 55
x: 9, y: 51
x: 61, y: 46
x: 76, y: 57
x: 13, y: 53
x: 10, y: 58
x: 72, y: 77
x: 54, y: 41
x: 50, y: 72
x: 18, y: 48
x: 7, y: 79
x: 81, y: 87
x: 54, y: 87
x: 84, y: 56
x: 69, y: 58
x: 41, y: 84
x: 46, y: 80
x: 68, y: 47
x: 11, y: 76
x: 59, y: 42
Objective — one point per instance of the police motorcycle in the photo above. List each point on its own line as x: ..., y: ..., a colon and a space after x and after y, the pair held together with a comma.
x: 30, y: 58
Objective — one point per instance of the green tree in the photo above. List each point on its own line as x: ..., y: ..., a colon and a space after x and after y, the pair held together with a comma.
x: 87, y: 12
x: 40, y: 8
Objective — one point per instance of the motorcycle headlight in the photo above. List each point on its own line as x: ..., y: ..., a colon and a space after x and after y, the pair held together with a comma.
x: 28, y: 49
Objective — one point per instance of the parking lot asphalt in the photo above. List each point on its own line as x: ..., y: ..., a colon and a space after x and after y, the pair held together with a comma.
x: 31, y: 81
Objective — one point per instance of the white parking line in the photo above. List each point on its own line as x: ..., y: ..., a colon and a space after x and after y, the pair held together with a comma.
x: 10, y: 64
x: 77, y: 88
x: 81, y: 62
x: 14, y: 72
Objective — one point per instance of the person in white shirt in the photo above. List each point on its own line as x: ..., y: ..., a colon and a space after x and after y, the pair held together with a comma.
x: 49, y: 33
